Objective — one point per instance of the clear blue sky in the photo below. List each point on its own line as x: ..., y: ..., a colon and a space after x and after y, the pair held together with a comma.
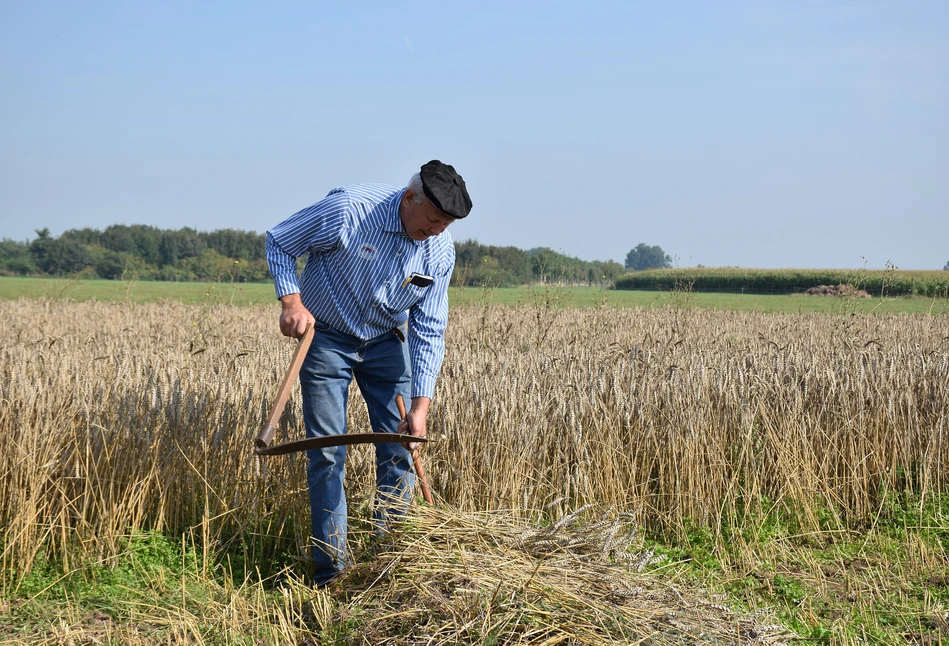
x: 760, y: 134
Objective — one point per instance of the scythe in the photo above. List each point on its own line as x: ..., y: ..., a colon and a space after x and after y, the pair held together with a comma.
x: 262, y: 444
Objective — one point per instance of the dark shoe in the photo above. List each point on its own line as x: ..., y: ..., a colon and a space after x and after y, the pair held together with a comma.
x: 327, y: 583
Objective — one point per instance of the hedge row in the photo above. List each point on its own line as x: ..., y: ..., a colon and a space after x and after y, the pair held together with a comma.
x: 891, y: 282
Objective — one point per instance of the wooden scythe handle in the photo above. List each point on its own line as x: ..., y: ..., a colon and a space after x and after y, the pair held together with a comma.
x: 265, y: 437
x: 423, y: 482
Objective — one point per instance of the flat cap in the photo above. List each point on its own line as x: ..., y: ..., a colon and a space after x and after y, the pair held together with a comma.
x: 445, y: 189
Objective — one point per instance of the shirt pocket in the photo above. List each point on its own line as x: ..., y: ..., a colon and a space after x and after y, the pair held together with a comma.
x: 399, y: 298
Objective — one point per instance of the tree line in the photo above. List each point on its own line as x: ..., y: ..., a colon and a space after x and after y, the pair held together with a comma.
x: 141, y: 252
x: 477, y: 264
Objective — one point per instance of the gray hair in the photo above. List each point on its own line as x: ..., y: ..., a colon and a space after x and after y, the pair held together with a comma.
x: 415, y: 185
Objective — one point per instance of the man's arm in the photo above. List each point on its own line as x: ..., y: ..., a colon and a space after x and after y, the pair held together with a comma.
x: 283, y: 268
x: 294, y: 317
x: 428, y: 320
x: 314, y: 229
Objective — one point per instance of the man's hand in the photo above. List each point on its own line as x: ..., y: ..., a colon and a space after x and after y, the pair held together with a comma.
x: 294, y: 318
x: 415, y: 420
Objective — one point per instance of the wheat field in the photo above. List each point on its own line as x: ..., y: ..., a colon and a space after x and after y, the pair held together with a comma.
x: 123, y: 417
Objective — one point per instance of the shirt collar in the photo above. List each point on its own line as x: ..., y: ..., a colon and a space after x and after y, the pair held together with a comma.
x: 392, y: 223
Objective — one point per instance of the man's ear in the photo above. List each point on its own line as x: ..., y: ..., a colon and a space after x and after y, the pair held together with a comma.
x: 408, y: 197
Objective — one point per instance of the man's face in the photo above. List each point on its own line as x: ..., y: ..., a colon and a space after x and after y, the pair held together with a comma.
x: 422, y: 220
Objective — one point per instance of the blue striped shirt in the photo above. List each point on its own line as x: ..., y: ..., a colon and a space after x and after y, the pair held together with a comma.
x: 358, y: 257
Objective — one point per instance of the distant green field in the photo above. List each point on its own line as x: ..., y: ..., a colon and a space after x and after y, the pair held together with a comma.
x: 595, y: 296
x: 137, y: 291
x: 263, y: 294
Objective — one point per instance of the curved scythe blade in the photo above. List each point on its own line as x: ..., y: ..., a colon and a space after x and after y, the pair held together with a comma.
x: 343, y: 439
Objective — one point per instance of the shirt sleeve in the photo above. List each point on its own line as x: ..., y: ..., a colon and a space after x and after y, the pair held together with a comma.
x: 314, y: 229
x: 428, y: 320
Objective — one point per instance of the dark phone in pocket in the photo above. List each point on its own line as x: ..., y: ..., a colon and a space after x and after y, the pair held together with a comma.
x: 419, y: 280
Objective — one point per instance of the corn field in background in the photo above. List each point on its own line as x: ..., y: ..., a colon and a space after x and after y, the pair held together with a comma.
x: 878, y: 282
x: 122, y: 417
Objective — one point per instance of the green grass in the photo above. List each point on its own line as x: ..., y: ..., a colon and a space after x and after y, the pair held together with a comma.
x: 137, y: 291
x: 886, y: 584
x: 157, y: 589
x: 597, y: 296
x: 148, y: 562
x: 263, y: 294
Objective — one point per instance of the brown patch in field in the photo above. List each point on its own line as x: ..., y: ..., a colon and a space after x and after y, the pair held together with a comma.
x: 837, y: 290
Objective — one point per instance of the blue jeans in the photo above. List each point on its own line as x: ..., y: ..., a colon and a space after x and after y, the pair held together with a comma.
x: 382, y: 371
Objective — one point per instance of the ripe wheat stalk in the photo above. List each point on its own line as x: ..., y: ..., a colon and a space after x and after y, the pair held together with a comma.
x: 119, y: 417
